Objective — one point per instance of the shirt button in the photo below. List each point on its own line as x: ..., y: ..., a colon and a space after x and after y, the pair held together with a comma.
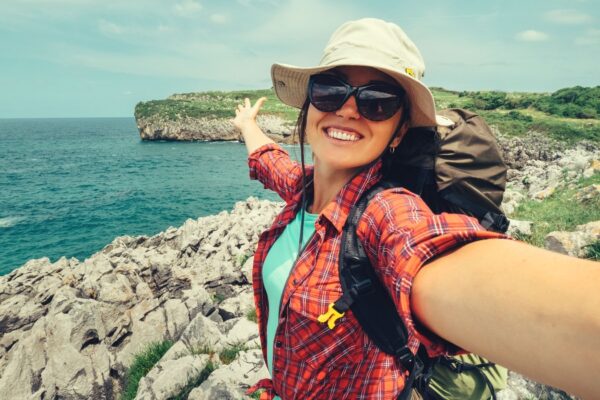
x: 295, y: 281
x: 278, y: 343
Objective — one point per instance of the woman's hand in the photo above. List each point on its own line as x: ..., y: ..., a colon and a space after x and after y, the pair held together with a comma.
x: 245, y: 121
x: 246, y: 113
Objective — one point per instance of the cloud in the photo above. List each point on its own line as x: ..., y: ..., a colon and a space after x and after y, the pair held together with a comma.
x: 591, y: 37
x: 187, y: 8
x: 219, y: 18
x: 252, y: 3
x: 567, y: 17
x: 110, y: 28
x: 532, y: 36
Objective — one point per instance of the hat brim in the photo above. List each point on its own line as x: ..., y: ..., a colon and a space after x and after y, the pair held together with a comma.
x: 291, y: 83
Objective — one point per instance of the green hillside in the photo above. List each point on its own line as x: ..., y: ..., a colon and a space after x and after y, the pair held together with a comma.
x: 570, y: 114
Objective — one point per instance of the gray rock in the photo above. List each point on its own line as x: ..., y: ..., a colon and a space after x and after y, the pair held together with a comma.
x: 231, y: 381
x: 169, y: 377
x: 574, y: 243
x: 519, y: 228
x: 237, y: 306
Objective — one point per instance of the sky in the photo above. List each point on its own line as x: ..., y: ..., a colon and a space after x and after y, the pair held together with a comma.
x: 88, y: 58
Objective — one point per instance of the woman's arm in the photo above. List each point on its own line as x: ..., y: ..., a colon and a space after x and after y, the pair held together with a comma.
x: 245, y: 121
x: 531, y: 310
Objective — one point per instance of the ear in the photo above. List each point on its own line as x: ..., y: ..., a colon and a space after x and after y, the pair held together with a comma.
x: 399, y: 135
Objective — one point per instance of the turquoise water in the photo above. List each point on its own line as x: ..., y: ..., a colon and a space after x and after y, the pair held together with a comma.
x: 70, y: 186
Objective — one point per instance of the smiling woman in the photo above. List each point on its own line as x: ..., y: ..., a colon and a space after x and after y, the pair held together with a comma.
x: 483, y: 295
x: 343, y: 140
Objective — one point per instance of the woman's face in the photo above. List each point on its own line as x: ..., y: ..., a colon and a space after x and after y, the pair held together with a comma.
x: 343, y: 140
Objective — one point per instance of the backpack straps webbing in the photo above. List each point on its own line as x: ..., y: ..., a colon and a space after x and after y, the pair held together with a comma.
x: 458, y: 367
x: 487, y: 217
x: 382, y: 323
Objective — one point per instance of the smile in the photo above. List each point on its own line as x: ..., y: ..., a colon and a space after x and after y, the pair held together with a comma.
x: 339, y: 134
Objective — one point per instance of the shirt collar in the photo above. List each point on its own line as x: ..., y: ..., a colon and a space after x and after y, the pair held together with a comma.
x: 337, y: 211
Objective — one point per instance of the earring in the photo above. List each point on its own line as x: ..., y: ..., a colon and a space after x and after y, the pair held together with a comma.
x: 392, y: 150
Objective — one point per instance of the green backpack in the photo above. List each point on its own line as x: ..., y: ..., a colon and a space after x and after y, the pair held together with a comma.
x: 456, y: 167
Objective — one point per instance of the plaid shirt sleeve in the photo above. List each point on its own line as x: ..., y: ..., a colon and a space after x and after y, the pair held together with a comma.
x: 272, y: 166
x: 401, y: 234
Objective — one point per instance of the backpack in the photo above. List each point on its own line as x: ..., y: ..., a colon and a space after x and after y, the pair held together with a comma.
x: 455, y: 167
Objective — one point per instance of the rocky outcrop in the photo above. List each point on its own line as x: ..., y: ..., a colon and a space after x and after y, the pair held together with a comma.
x: 574, y: 243
x: 209, y: 129
x: 538, y: 166
x: 71, y: 328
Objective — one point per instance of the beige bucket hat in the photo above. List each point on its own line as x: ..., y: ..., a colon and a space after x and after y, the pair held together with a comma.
x: 367, y: 42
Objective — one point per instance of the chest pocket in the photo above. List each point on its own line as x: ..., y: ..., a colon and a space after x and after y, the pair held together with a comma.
x: 313, y: 341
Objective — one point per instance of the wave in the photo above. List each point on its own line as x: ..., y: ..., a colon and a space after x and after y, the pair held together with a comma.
x: 8, y: 222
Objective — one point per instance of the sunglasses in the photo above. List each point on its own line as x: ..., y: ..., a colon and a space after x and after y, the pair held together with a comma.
x: 375, y: 101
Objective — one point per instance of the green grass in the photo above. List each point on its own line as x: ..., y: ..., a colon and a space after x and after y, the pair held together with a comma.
x: 142, y: 364
x: 194, y: 382
x: 212, y: 105
x: 558, y: 213
x: 593, y: 251
x: 251, y: 315
x: 519, y: 122
x: 227, y: 356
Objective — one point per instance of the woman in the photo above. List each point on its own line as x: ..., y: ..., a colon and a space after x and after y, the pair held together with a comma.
x: 534, y: 311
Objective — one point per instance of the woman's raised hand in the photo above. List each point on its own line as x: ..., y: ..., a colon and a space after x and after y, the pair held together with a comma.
x: 245, y: 121
x: 246, y: 113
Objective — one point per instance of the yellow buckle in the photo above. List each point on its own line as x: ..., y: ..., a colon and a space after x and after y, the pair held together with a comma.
x: 331, y: 316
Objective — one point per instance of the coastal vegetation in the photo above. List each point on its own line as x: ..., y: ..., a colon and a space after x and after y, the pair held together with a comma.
x: 569, y: 114
x: 142, y: 364
x: 557, y: 213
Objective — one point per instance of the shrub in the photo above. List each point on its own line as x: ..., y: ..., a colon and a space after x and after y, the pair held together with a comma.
x: 593, y: 251
x: 251, y: 315
x: 142, y: 364
x: 228, y: 355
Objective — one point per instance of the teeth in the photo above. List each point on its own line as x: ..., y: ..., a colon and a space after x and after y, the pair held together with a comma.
x: 342, y: 135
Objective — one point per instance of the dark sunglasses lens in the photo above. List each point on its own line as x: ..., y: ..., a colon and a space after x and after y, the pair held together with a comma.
x: 327, y: 93
x: 379, y: 103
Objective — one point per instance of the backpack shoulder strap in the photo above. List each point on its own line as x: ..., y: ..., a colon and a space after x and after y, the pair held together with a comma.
x: 376, y: 311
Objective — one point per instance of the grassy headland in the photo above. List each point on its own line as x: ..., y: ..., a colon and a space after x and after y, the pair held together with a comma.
x: 570, y: 114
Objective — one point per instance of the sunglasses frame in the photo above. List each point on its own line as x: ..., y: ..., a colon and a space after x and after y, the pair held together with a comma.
x: 356, y: 91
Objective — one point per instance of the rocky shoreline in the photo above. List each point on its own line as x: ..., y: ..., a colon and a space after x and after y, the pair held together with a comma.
x: 70, y: 329
x: 209, y: 129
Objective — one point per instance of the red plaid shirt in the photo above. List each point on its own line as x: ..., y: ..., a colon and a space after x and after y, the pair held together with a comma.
x: 400, y: 234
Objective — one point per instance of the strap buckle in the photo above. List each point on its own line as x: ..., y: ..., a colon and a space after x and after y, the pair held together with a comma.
x: 406, y: 357
x: 331, y: 316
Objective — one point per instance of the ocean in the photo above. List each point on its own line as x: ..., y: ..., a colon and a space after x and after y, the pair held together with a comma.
x: 68, y: 187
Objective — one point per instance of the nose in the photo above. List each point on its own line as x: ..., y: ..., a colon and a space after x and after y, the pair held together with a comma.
x: 349, y: 109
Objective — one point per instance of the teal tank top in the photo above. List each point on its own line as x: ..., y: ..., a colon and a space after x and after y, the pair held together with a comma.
x: 276, y: 270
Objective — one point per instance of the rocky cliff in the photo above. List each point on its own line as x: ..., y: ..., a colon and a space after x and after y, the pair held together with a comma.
x: 70, y: 329
x: 209, y: 129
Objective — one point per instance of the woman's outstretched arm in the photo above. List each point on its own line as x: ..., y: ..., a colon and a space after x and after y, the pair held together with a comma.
x: 529, y: 309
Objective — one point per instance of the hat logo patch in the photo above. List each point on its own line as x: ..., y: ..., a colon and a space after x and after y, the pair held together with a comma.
x: 410, y: 72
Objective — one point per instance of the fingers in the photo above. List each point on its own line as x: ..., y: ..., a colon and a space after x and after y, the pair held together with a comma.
x: 259, y: 103
x: 247, y: 106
